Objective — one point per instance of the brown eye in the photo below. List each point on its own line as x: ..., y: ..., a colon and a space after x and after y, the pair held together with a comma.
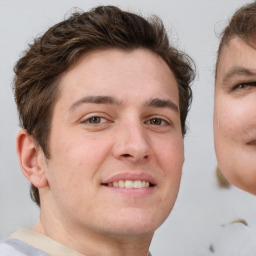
x: 95, y: 120
x: 156, y: 121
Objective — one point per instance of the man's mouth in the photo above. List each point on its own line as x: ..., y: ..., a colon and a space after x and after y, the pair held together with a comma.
x: 132, y: 184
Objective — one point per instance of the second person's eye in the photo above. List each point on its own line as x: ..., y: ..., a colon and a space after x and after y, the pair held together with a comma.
x: 244, y: 85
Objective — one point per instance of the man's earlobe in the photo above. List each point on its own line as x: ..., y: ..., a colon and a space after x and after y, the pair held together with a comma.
x: 30, y: 158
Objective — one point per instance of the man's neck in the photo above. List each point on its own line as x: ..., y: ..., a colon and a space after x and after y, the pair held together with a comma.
x: 90, y: 244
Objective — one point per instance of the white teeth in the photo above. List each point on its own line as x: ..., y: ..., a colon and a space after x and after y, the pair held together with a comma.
x: 129, y: 184
x: 137, y: 184
x: 121, y: 184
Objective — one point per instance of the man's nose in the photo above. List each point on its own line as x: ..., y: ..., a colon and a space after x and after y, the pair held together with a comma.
x: 132, y: 143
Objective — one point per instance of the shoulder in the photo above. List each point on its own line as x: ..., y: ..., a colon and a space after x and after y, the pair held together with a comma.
x: 7, y: 249
x: 13, y: 246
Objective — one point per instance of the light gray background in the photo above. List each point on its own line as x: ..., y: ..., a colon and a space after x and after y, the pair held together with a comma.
x: 201, y: 206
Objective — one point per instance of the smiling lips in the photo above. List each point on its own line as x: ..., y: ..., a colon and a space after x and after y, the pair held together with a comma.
x: 129, y: 184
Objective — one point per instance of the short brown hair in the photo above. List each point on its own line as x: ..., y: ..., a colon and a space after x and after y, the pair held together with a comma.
x: 104, y: 27
x: 242, y: 25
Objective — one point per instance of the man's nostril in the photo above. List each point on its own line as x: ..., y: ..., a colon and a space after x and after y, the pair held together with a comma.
x: 126, y: 155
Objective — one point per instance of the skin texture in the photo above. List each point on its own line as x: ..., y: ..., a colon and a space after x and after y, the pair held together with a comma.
x: 235, y: 115
x: 132, y: 130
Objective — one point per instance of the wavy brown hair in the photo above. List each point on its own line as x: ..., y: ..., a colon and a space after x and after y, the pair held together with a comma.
x: 243, y: 25
x: 38, y: 71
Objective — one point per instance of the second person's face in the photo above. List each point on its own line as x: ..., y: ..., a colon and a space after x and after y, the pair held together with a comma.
x: 235, y: 114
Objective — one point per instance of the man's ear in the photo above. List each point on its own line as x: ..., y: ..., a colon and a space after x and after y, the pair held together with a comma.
x: 31, y: 159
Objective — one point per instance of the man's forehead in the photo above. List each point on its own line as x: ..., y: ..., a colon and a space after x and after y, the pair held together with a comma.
x: 85, y: 71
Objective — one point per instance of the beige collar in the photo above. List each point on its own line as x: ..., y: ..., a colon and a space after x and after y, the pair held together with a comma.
x: 44, y: 243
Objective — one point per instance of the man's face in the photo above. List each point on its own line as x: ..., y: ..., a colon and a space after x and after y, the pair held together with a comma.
x: 116, y: 146
x: 235, y: 114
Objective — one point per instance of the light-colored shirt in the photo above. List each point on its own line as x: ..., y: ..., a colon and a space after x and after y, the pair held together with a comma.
x: 26, y: 242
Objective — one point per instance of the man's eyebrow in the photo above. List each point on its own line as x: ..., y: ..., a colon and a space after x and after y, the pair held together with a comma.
x: 239, y: 71
x: 96, y: 100
x: 162, y: 103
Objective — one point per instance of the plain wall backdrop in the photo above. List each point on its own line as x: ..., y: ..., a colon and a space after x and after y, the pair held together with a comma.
x: 193, y: 26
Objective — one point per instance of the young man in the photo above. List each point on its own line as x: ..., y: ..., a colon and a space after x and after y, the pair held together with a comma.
x: 235, y: 121
x: 102, y: 99
x: 235, y: 100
